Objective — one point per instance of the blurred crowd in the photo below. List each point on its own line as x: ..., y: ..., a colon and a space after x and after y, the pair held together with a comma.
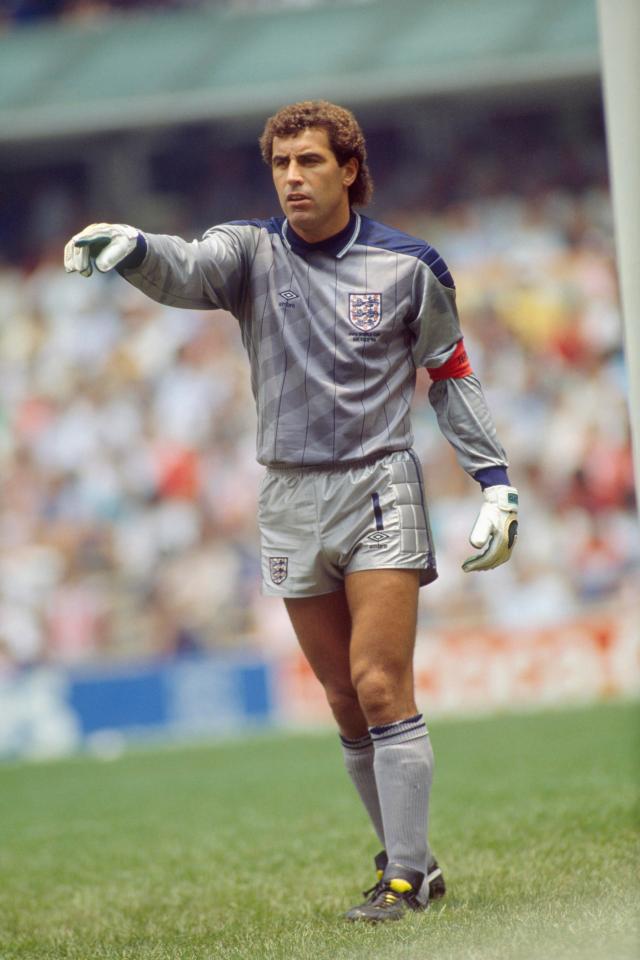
x: 19, y: 12
x: 127, y: 524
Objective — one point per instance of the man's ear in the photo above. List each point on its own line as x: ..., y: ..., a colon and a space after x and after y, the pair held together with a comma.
x: 350, y: 171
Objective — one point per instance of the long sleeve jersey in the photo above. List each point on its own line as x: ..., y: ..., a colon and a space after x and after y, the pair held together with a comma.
x: 334, y: 332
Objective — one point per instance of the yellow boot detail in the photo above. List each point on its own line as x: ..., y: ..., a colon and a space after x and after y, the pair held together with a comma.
x: 400, y: 886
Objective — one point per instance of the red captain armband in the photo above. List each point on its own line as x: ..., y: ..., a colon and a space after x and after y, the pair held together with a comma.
x: 456, y: 366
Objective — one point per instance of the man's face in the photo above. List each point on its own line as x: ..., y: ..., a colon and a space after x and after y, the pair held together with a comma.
x: 312, y: 188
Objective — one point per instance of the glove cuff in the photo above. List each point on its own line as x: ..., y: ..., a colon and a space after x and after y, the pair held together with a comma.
x: 506, y: 498
x: 492, y: 477
x: 137, y: 255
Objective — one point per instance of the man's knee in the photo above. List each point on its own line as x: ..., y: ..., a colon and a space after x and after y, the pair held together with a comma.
x: 344, y: 705
x: 378, y: 691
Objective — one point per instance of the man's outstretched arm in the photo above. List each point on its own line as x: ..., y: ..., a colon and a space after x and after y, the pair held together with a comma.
x: 202, y: 274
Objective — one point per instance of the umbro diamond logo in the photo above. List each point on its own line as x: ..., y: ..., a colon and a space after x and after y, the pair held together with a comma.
x: 288, y: 295
x: 378, y: 537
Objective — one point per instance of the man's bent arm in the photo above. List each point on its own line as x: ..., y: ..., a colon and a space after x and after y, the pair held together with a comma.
x: 456, y: 395
x: 465, y: 420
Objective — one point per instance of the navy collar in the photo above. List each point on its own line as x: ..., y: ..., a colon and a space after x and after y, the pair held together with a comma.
x: 337, y: 245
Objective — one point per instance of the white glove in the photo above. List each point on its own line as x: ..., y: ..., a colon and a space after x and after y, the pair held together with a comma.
x: 494, y: 532
x: 106, y: 244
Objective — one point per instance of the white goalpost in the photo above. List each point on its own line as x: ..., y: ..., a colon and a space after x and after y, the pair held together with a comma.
x: 619, y: 23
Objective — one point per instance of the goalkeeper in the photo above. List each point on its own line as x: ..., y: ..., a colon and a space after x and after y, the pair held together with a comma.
x: 336, y: 312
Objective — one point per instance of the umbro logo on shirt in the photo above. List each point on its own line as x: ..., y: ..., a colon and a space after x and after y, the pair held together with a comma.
x: 287, y: 296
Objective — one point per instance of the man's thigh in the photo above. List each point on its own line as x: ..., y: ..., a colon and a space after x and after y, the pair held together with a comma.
x: 383, y: 606
x: 323, y: 628
x: 365, y: 630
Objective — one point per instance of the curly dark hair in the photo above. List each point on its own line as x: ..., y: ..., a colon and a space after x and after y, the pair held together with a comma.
x: 345, y: 138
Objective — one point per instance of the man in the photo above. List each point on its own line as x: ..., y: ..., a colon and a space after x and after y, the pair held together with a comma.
x: 336, y: 311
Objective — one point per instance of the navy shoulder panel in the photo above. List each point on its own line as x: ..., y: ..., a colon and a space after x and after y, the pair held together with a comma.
x: 375, y: 234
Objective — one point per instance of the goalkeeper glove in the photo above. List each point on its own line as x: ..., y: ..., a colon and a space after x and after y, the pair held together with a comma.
x: 104, y: 244
x: 495, y: 530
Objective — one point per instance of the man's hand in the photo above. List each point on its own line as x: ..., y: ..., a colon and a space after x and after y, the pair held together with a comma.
x: 495, y: 531
x: 104, y: 244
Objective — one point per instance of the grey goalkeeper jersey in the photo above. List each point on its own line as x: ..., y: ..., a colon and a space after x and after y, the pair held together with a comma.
x: 334, y: 332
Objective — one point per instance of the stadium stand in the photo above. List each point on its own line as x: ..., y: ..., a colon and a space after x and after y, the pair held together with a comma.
x: 146, y: 69
x: 19, y: 12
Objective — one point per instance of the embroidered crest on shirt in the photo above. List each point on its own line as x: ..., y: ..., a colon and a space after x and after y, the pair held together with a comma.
x: 365, y: 310
x: 278, y: 568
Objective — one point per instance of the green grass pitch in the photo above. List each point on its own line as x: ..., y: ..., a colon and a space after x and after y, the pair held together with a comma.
x: 251, y: 850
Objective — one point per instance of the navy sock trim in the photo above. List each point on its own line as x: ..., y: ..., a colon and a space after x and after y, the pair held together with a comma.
x: 362, y: 743
x: 387, y: 727
x: 397, y: 733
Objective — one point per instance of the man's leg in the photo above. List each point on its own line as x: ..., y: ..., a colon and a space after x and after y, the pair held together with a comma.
x: 323, y: 627
x: 384, y: 604
x: 383, y: 607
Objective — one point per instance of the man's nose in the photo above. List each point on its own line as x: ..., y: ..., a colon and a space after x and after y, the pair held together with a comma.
x: 294, y: 174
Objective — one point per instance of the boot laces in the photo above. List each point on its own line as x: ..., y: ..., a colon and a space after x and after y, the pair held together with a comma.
x: 372, y: 892
x: 384, y: 896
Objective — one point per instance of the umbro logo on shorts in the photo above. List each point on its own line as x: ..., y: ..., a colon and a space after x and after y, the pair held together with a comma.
x: 278, y: 568
x: 378, y: 537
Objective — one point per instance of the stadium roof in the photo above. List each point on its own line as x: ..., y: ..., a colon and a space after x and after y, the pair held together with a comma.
x: 153, y: 70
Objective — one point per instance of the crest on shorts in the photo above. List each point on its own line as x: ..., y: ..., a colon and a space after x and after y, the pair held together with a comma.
x: 278, y: 568
x: 365, y: 310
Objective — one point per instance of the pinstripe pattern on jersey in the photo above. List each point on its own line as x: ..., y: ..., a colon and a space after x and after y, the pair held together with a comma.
x: 307, y: 296
x: 335, y: 358
x: 327, y: 391
x: 364, y: 363
x: 283, y: 376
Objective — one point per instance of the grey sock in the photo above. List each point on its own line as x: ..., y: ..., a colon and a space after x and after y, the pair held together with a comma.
x: 358, y: 759
x: 403, y: 765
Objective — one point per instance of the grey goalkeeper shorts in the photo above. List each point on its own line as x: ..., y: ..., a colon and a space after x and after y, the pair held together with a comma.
x: 317, y: 524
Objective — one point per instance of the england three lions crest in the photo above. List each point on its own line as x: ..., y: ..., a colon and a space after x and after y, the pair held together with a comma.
x: 365, y: 310
x: 278, y: 568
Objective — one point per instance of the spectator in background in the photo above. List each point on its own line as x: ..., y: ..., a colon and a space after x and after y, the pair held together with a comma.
x: 31, y: 11
x: 24, y: 11
x: 131, y: 498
